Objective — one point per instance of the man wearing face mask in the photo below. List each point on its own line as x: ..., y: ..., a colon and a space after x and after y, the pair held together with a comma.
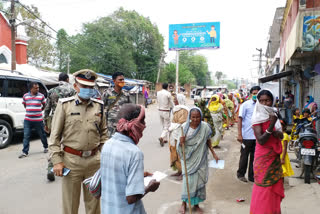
x: 79, y: 127
x: 246, y: 136
x: 113, y: 99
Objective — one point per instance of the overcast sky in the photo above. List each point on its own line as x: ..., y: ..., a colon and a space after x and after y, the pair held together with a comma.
x: 244, y: 24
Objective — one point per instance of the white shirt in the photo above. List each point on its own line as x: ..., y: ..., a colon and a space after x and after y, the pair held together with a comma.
x: 164, y: 100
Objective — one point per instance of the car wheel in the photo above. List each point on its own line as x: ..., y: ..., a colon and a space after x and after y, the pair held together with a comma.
x: 5, y: 134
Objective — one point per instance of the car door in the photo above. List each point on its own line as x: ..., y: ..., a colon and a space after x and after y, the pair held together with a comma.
x: 17, y: 87
x: 2, y: 93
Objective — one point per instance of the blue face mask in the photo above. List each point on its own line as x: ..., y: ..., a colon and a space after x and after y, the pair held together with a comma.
x: 254, y: 97
x: 86, y: 93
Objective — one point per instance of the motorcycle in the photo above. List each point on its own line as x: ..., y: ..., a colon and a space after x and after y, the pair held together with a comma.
x: 307, y: 147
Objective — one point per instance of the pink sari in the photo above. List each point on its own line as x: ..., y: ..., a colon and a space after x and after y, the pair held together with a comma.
x: 268, y: 190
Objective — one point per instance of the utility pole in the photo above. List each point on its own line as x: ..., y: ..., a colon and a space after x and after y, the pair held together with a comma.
x: 160, y: 62
x: 177, y: 72
x: 13, y: 37
x: 68, y: 64
x: 260, y: 60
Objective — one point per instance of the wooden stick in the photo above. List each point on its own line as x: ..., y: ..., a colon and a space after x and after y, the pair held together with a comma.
x: 186, y: 172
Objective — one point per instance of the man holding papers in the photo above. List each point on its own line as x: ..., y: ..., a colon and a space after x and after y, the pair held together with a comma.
x: 122, y: 168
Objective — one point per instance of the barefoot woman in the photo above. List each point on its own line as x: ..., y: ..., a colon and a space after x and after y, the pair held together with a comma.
x: 197, y: 142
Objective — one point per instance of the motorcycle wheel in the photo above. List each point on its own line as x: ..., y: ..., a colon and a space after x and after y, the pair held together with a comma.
x: 307, y: 172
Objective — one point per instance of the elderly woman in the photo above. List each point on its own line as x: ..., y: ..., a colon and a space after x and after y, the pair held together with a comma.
x: 216, y: 110
x: 268, y: 190
x: 196, y: 138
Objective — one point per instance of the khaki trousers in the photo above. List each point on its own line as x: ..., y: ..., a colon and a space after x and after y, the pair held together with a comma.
x: 81, y: 168
x: 165, y: 122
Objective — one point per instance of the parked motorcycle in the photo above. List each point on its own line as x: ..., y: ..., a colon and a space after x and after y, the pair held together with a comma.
x: 307, y: 147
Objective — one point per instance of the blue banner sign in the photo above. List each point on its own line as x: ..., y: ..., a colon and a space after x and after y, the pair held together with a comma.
x: 194, y: 36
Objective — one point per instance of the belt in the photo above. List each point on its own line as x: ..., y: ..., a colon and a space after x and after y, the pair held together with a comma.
x: 164, y: 110
x: 81, y: 153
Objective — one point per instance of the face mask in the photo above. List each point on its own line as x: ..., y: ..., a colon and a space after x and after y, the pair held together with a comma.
x: 121, y: 84
x: 86, y: 93
x: 254, y: 97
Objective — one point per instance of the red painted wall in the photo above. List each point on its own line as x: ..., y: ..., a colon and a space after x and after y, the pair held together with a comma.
x: 312, y: 3
x: 5, y: 33
x: 21, y: 53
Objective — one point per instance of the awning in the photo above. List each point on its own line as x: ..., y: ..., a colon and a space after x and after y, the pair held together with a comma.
x: 275, y: 76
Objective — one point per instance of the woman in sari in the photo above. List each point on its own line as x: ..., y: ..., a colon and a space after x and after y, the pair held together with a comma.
x: 268, y: 190
x: 230, y: 107
x: 216, y: 110
x: 196, y: 138
x: 310, y: 104
x: 224, y: 114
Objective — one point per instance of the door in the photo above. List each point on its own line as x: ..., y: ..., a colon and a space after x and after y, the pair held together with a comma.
x: 16, y: 89
x: 2, y: 95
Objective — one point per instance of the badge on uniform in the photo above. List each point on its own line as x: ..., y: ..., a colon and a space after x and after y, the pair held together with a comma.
x: 75, y: 113
x: 112, y: 97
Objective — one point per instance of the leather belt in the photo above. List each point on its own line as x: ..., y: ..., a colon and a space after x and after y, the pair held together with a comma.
x: 81, y: 153
x: 164, y: 110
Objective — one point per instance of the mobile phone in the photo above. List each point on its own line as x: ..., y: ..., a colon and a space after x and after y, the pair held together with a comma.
x: 65, y: 171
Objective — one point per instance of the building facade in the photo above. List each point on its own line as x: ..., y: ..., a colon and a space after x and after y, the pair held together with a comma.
x: 5, y: 41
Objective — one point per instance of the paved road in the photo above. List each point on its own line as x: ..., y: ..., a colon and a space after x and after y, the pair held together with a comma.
x: 25, y: 189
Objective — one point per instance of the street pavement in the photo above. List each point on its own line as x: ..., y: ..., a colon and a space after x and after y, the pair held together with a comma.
x: 25, y: 189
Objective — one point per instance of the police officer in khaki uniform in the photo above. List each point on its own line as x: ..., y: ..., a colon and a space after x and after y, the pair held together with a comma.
x: 78, y: 132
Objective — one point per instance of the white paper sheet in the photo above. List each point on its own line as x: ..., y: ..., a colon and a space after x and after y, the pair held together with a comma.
x: 158, y: 176
x: 214, y: 164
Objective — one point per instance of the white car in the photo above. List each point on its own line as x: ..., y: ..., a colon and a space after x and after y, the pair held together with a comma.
x: 12, y: 112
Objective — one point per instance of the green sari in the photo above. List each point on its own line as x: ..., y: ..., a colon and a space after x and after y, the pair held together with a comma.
x: 196, y: 151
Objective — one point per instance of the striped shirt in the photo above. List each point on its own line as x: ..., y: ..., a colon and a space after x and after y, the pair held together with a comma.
x: 33, y: 106
x: 122, y: 175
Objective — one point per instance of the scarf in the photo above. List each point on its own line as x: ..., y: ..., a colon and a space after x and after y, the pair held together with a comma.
x: 187, y: 123
x: 311, y: 100
x: 262, y: 113
x: 214, y: 105
x: 134, y: 127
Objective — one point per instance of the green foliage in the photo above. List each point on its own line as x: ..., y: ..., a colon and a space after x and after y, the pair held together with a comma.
x: 193, y: 69
x: 218, y: 75
x: 40, y: 51
x: 230, y: 84
x: 62, y: 50
x: 197, y: 65
x: 169, y: 74
x: 124, y: 41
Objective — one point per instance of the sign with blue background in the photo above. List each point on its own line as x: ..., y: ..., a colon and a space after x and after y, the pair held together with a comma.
x: 193, y: 36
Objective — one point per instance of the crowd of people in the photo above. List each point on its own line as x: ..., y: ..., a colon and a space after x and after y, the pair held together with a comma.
x: 93, y: 143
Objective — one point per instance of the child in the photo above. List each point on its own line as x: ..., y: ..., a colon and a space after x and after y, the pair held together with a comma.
x: 296, y: 118
x: 286, y: 166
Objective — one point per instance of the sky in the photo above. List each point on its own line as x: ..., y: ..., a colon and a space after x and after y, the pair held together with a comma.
x: 244, y: 24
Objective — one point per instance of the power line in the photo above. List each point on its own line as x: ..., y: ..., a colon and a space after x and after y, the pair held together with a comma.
x: 25, y: 7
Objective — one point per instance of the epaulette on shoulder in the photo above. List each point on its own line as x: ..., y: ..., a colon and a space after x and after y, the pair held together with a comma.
x: 97, y: 101
x: 67, y: 99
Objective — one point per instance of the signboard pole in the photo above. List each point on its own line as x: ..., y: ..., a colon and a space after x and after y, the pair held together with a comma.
x: 177, y: 71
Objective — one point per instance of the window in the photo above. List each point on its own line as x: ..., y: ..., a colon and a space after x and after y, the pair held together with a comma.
x: 3, y: 59
x: 1, y: 87
x: 42, y: 90
x: 17, y: 88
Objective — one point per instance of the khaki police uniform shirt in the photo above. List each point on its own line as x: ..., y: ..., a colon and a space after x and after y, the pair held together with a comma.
x: 81, y: 126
